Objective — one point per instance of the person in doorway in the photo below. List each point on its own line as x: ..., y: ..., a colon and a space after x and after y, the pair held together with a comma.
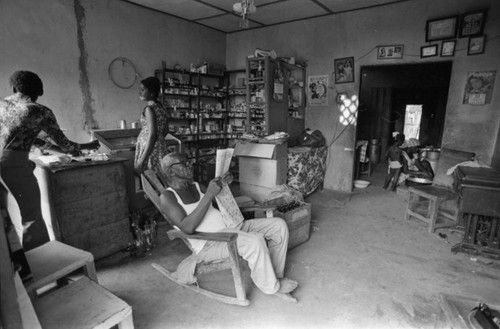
x: 413, y: 166
x: 393, y: 156
x: 21, y: 121
x: 151, y: 145
x: 262, y: 243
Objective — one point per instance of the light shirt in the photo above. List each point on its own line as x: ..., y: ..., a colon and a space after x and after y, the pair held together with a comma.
x: 212, y: 222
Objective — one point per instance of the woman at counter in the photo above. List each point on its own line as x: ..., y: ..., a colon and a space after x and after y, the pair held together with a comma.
x: 412, y: 165
x: 21, y: 120
x: 151, y: 145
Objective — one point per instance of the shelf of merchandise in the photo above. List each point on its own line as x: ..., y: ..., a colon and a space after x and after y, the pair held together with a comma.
x: 275, y: 95
x: 236, y: 113
x: 195, y: 103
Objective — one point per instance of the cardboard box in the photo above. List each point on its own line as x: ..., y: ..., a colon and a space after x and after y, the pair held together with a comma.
x: 262, y: 172
x: 298, y: 221
x: 260, y: 150
x: 262, y: 165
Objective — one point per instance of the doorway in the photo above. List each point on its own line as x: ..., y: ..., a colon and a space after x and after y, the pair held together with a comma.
x: 386, y: 91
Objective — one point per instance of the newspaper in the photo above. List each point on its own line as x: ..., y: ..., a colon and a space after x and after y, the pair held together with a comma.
x: 225, y: 200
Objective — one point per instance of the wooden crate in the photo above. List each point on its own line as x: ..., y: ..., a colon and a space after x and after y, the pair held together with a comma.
x: 298, y: 221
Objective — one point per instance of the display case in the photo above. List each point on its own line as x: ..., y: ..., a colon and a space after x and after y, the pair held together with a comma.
x: 275, y: 97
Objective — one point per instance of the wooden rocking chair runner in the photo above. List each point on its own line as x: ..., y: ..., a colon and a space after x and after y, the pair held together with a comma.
x: 153, y: 185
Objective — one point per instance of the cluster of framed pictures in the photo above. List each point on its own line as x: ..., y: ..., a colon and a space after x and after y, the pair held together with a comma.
x: 469, y: 25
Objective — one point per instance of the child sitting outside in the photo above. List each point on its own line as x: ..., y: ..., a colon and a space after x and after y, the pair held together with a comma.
x: 393, y: 156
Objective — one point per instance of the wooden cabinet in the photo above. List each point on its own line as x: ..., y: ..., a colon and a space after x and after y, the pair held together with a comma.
x: 275, y: 97
x: 86, y: 204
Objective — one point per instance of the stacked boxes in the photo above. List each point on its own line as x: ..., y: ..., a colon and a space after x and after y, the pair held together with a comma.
x: 261, y: 168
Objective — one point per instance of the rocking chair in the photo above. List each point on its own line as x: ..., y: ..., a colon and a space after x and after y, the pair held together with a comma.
x: 153, y: 185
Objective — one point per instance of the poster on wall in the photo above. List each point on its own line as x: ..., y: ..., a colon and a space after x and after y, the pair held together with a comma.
x: 479, y: 87
x: 317, y: 90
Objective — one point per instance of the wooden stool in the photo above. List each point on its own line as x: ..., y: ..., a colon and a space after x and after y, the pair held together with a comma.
x: 83, y: 304
x: 53, y: 261
x: 429, y: 199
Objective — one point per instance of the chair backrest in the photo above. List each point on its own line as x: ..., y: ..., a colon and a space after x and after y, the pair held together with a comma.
x: 447, y: 159
x: 153, y: 186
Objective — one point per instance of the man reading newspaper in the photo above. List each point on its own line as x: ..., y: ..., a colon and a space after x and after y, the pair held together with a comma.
x: 261, y: 242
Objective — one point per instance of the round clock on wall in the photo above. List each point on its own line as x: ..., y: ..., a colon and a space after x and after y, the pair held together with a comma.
x: 122, y: 72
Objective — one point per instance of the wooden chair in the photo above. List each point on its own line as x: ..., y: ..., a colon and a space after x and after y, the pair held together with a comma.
x: 153, y: 185
x: 427, y: 203
x: 363, y: 162
x: 81, y: 304
x: 55, y: 260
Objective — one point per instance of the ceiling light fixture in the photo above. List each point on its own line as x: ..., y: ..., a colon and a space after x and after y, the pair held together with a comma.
x: 244, y: 8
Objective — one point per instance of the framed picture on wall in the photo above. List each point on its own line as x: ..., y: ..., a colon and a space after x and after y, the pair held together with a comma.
x: 390, y: 52
x: 476, y: 45
x: 344, y: 70
x: 317, y: 86
x: 428, y: 51
x: 472, y: 24
x: 448, y: 48
x: 479, y: 87
x: 441, y: 29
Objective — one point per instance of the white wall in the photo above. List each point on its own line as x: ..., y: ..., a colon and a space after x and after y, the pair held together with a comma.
x: 42, y: 36
x: 320, y: 41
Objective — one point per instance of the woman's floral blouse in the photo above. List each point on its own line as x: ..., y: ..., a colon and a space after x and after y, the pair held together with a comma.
x: 22, y: 120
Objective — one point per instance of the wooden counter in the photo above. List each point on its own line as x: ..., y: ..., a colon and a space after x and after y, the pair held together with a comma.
x: 85, y: 204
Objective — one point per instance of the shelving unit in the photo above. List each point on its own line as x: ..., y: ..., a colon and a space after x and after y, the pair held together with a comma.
x: 199, y: 116
x: 275, y: 97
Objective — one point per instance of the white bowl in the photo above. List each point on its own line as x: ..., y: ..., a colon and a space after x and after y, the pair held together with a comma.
x: 358, y: 183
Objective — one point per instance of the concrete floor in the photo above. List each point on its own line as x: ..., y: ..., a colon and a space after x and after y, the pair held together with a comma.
x: 364, y: 266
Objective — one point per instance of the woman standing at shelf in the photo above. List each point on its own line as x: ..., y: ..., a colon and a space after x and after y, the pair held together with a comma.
x: 151, y: 145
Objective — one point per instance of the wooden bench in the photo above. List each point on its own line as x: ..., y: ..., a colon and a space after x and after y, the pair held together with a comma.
x: 81, y: 304
x: 425, y: 203
x: 55, y: 260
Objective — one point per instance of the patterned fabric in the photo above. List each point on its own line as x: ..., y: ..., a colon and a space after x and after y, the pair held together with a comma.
x: 160, y: 145
x: 306, y: 168
x: 362, y: 152
x: 22, y: 120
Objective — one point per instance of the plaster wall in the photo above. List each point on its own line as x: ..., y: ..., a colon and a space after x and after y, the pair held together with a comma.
x: 70, y: 45
x: 320, y: 41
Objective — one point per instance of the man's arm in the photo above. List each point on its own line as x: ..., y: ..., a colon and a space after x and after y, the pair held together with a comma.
x: 188, y: 223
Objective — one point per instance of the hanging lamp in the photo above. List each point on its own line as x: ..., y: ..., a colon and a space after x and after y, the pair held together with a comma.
x: 243, y: 9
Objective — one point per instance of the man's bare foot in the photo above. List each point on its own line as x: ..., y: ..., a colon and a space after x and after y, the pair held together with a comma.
x: 287, y: 285
x: 286, y: 296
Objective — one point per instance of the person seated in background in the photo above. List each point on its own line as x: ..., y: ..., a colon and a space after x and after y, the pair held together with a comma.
x: 262, y: 243
x: 413, y: 166
x: 393, y: 156
x: 21, y: 121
